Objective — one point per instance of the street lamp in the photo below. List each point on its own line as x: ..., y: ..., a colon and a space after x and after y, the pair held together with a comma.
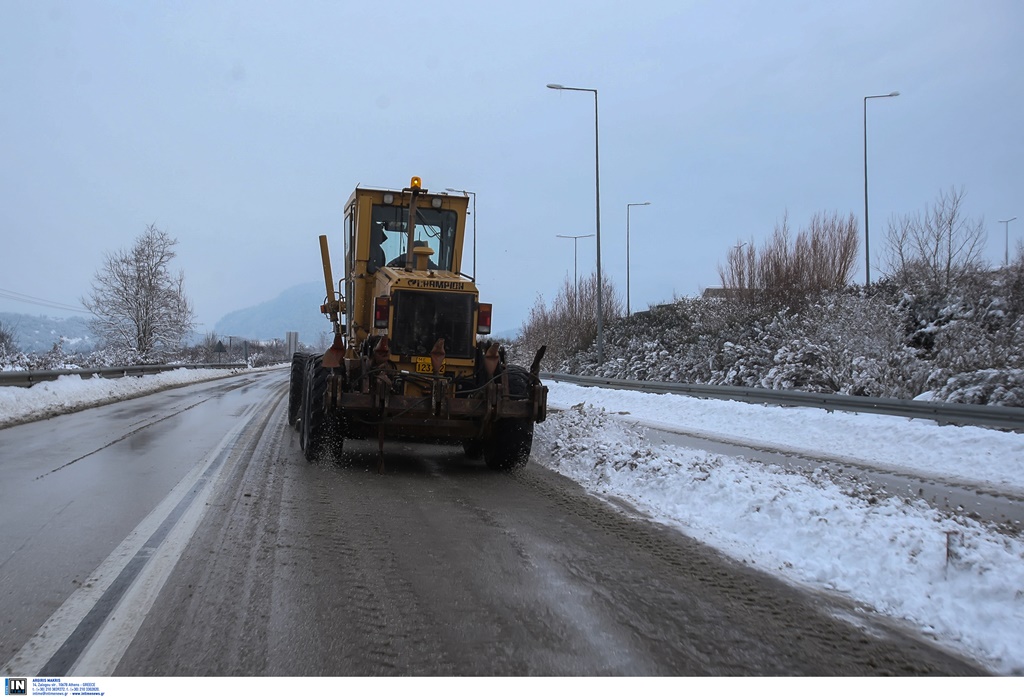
x: 576, y: 284
x: 597, y: 191
x: 628, y: 206
x: 473, y: 194
x: 1007, y: 222
x: 867, y: 252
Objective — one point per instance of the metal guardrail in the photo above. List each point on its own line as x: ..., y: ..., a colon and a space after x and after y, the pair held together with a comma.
x: 1011, y: 418
x: 27, y: 378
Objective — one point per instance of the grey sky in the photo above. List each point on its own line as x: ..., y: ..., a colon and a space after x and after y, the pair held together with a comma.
x: 241, y: 128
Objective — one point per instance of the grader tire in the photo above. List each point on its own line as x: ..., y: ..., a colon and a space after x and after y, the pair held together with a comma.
x: 314, y: 426
x: 295, y: 387
x: 508, y: 447
x: 473, y: 448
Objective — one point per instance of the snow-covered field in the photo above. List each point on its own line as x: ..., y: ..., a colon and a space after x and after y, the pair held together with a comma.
x: 957, y: 580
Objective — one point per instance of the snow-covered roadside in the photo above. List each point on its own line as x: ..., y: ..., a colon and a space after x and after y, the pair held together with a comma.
x: 954, y: 578
x: 967, y: 454
x: 70, y: 393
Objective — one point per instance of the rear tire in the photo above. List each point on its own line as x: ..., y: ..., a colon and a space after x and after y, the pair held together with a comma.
x: 509, y: 444
x: 508, y: 447
x: 474, y: 448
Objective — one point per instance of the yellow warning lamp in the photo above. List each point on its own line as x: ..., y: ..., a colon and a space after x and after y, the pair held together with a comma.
x: 416, y: 183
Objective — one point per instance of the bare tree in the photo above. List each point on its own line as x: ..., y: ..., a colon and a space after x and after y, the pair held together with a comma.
x: 8, y: 340
x: 786, y: 271
x: 938, y: 248
x: 739, y: 275
x: 826, y: 251
x: 570, y: 324
x: 138, y: 305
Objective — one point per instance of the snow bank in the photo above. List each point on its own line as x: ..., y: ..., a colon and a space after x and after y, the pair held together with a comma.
x: 966, y: 454
x: 952, y: 577
x: 70, y: 393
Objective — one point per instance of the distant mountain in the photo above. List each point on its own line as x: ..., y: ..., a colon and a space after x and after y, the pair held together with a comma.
x: 38, y: 334
x: 296, y: 309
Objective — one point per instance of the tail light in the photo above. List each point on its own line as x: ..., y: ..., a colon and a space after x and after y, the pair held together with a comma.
x: 483, y: 319
x: 381, y: 310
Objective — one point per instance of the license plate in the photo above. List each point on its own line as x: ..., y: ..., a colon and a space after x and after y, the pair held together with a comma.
x: 423, y: 365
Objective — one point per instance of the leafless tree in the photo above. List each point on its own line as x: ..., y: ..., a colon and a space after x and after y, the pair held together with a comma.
x: 570, y: 324
x: 8, y: 340
x: 739, y: 276
x: 937, y: 248
x: 826, y: 252
x: 787, y: 270
x: 138, y: 304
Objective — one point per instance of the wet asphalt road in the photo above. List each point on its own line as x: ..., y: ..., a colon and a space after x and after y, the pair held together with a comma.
x: 73, y: 487
x: 439, y: 567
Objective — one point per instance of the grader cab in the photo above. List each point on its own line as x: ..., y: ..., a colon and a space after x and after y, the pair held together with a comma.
x: 410, y: 357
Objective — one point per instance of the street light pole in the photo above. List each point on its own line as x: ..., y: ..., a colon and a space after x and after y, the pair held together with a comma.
x: 473, y: 194
x: 628, y: 206
x: 576, y: 284
x: 1007, y: 222
x: 867, y: 251
x: 597, y: 191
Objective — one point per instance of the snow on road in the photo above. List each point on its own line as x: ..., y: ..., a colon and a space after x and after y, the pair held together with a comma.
x: 955, y: 579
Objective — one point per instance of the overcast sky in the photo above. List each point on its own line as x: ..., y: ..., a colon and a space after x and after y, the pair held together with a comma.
x: 241, y: 128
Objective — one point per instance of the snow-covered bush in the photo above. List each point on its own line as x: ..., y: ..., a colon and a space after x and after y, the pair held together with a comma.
x: 1002, y: 387
x: 54, y: 359
x: 887, y: 343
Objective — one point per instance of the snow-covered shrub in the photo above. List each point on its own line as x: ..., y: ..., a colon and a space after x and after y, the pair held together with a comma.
x: 996, y: 387
x: 110, y: 356
x: 262, y: 359
x: 841, y: 342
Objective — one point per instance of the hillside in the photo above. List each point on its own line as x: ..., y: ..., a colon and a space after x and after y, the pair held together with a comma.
x: 296, y: 309
x: 38, y: 333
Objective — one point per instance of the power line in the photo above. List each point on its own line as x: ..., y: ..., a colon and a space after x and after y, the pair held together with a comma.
x: 42, y: 302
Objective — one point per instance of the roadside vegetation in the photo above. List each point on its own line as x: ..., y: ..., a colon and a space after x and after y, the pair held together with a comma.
x: 939, y: 324
x: 569, y: 325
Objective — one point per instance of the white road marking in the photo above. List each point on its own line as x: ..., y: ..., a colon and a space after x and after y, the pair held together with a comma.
x: 107, y: 647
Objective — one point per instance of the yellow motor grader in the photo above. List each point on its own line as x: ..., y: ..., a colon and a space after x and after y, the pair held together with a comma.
x: 410, y: 357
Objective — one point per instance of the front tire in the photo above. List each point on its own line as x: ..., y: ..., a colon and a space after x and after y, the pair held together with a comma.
x: 314, y: 426
x: 296, y: 386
